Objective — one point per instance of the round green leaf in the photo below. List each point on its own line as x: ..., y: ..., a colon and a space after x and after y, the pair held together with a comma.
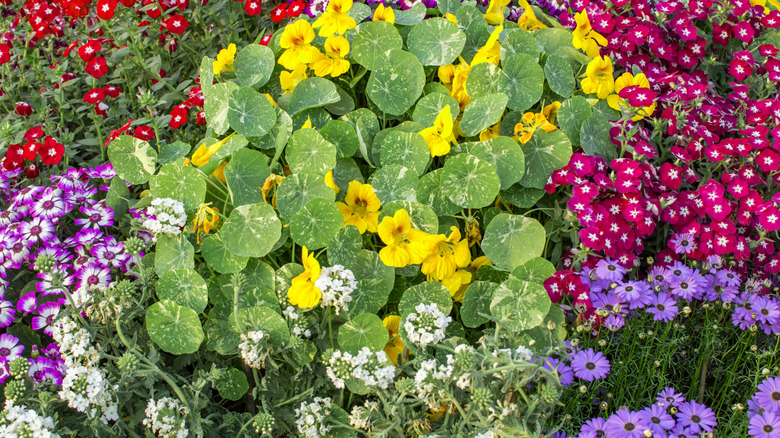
x: 430, y: 193
x: 426, y: 292
x: 476, y: 302
x: 245, y: 175
x: 421, y: 216
x: 253, y: 65
x: 345, y: 104
x: 405, y: 149
x: 172, y: 152
x: 184, y: 183
x: 216, y: 106
x: 559, y: 75
x: 345, y: 246
x: 391, y: 88
x: 173, y: 252
x: 369, y: 266
x: 117, y: 197
x: 373, y: 40
x: 411, y: 16
x: 309, y: 152
x: 232, y: 384
x: 430, y: 105
x: 133, y: 159
x: 512, y: 240
x: 278, y: 135
x: 176, y: 329
x: 345, y: 172
x: 298, y: 189
x: 343, y: 135
x: 206, y: 73
x: 519, y: 41
x: 394, y: 183
x: 184, y: 287
x: 483, y: 112
x: 483, y: 79
x: 471, y: 20
x: 536, y: 270
x: 523, y: 81
x: 221, y: 338
x: 250, y: 113
x: 506, y: 156
x: 571, y: 115
x: 470, y: 182
x: 365, y: 330
x: 316, y: 223
x: 523, y: 197
x: 252, y: 230
x: 234, y: 143
x: 261, y: 318
x: 312, y: 93
x: 436, y: 41
x: 370, y: 296
x: 520, y: 305
x: 595, y: 137
x: 219, y: 258
x: 545, y: 153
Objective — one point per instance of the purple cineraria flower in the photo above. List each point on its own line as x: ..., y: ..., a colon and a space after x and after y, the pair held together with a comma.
x: 10, y: 348
x: 92, y: 275
x: 85, y: 237
x: 315, y: 8
x: 26, y: 195
x: 50, y: 205
x: 669, y: 397
x: 589, y: 365
x: 97, y: 216
x: 37, y: 230
x: 7, y: 217
x: 765, y: 425
x: 663, y: 308
x: 696, y: 417
x: 80, y: 196
x: 55, y: 282
x: 636, y: 293
x: 54, y: 251
x: 657, y: 419
x: 609, y: 269
x: 614, y: 322
x: 7, y: 313
x: 626, y: 424
x: 19, y: 252
x: 68, y: 180
x: 768, y: 394
x: 27, y: 303
x: 683, y: 243
x: 685, y: 286
x: 83, y: 258
x: 4, y: 373
x: 103, y: 171
x: 725, y: 293
x: 46, y: 314
x: 109, y: 254
x: 678, y: 269
x: 564, y: 371
x: 596, y: 426
x: 659, y: 276
x: 728, y: 277
x: 43, y: 369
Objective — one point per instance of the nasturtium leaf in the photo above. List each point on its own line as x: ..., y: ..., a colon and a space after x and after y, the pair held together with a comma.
x: 421, y: 216
x: 315, y: 224
x: 179, y: 182
x: 359, y: 11
x: 298, y: 189
x: 572, y: 115
x: 519, y: 196
x: 206, y: 74
x: 483, y: 79
x: 511, y: 240
x: 559, y: 75
x: 252, y: 230
x: 216, y: 106
x: 364, y: 330
x: 345, y: 246
x: 391, y: 88
x: 483, y: 112
x: 476, y: 302
x: 411, y: 16
x: 373, y: 40
x: 506, y: 156
x: 435, y: 87
x: 368, y: 266
x: 342, y: 135
x: 545, y: 153
x: 448, y: 6
x: 367, y: 126
x: 471, y: 21
x: 253, y: 65
x: 184, y: 287
x: 370, y: 296
x: 176, y: 329
x: 536, y: 270
x: 426, y: 292
x: 117, y: 197
x: 317, y: 116
x: 278, y: 135
x: 133, y: 159
x: 430, y: 193
x: 436, y: 41
x: 523, y: 81
x: 430, y: 105
x: 312, y: 93
x: 232, y: 384
x: 250, y: 113
x: 308, y: 151
x: 219, y: 336
x: 233, y: 144
x: 345, y: 172
x: 261, y: 318
x: 245, y: 175
x: 470, y: 182
x: 595, y: 138
x: 519, y: 41
x: 521, y: 305
x: 602, y: 107
x: 405, y: 149
x: 559, y: 42
x: 218, y: 257
x: 394, y: 183
x: 172, y: 152
x: 173, y: 252
x: 344, y: 105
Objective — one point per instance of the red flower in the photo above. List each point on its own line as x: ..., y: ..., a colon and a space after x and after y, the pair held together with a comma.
x: 201, y: 119
x: 265, y: 40
x: 23, y: 109
x: 178, y: 116
x: 144, y: 133
x: 295, y: 8
x: 97, y: 67
x: 32, y: 171
x: 740, y: 69
x: 105, y: 9
x: 30, y: 150
x: 5, y: 53
x: 252, y: 7
x: 33, y: 133
x: 89, y: 50
x: 743, y: 31
x: 94, y: 96
x: 176, y: 24
x: 51, y: 151
x: 279, y: 13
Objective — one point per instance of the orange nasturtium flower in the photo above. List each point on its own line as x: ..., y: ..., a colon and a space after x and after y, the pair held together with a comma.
x: 360, y: 207
x: 530, y: 123
x: 271, y: 182
x: 303, y: 293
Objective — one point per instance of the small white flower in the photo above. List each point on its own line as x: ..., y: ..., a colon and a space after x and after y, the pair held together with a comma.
x: 310, y: 417
x: 253, y: 348
x: 166, y: 417
x: 164, y: 216
x: 426, y: 325
x: 337, y: 284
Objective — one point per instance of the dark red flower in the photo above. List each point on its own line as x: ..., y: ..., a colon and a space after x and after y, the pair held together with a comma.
x: 97, y: 67
x: 252, y: 7
x: 105, y: 9
x: 178, y: 116
x: 279, y: 13
x: 176, y: 24
x: 51, y: 151
x: 23, y: 109
x: 32, y: 171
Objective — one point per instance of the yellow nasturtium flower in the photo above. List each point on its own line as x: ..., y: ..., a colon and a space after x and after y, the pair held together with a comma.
x: 628, y: 80
x: 289, y: 80
x: 383, y: 13
x: 203, y: 154
x: 296, y: 40
x: 460, y: 280
x: 490, y: 132
x: 405, y: 245
x: 330, y: 183
x: 495, y: 11
x: 491, y: 51
x: 454, y: 78
x: 585, y: 37
x: 360, y: 207
x: 206, y: 218
x: 528, y: 20
x: 598, y: 77
x: 271, y: 182
x: 303, y: 293
x: 551, y: 111
x: 530, y: 123
x: 394, y: 346
x: 332, y: 62
x: 439, y: 136
x: 219, y: 173
x: 335, y: 19
x: 225, y: 58
x: 449, y: 254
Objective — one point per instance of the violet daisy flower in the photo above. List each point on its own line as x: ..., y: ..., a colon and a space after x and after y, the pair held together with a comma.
x: 609, y: 269
x: 38, y: 229
x: 7, y: 313
x: 85, y: 237
x: 685, y: 287
x: 27, y: 302
x: 27, y: 194
x: 10, y: 348
x: 767, y: 310
x: 609, y: 302
x: 696, y: 417
x: 725, y: 293
x: 51, y: 205
x: 589, y: 365
x: 626, y: 424
x: 596, y: 426
x: 614, y: 322
x: 765, y: 425
x: 670, y: 397
x: 728, y: 277
x: 660, y: 276
x: 93, y: 274
x: 678, y: 269
x: 768, y: 394
x: 636, y: 293
x: 80, y: 196
x: 683, y: 243
x: 55, y: 282
x: 657, y: 419
x: 109, y: 255
x: 46, y: 314
x: 663, y: 308
x: 564, y: 372
x: 60, y: 255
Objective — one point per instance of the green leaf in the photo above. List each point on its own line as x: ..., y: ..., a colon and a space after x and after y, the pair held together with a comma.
x: 221, y: 338
x: 133, y: 159
x: 219, y: 258
x: 571, y: 115
x: 206, y: 72
x: 253, y: 65
x: 373, y: 40
x: 369, y: 266
x: 394, y: 183
x: 430, y: 193
x: 426, y: 292
x: 345, y: 246
x: 316, y: 223
x: 276, y: 138
x: 473, y: 23
x: 245, y: 175
x: 232, y: 384
x: 536, y: 270
x: 430, y: 105
x: 184, y: 183
x: 512, y: 240
x: 250, y: 113
x: 367, y: 126
x: 519, y: 41
x: 483, y: 112
x: 184, y: 287
x: 312, y: 93
x: 405, y: 149
x: 520, y: 305
x: 234, y: 143
x: 369, y: 297
x: 410, y: 16
x: 216, y: 106
x: 173, y: 151
x: 298, y: 189
x: 345, y: 104
x: 343, y: 135
x: 436, y: 41
x: 545, y: 153
x: 173, y: 252
x: 176, y: 329
x: 476, y: 301
x: 559, y: 75
x: 421, y: 216
x: 523, y: 197
x: 392, y: 88
x: 364, y: 330
x: 261, y: 318
x: 309, y: 152
x: 470, y: 182
x: 506, y: 156
x: 483, y: 79
x: 252, y: 230
x: 523, y: 82
x: 595, y: 137
x: 117, y: 197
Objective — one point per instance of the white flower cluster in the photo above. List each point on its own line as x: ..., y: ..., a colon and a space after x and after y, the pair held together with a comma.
x: 254, y: 349
x: 75, y: 344
x: 87, y: 390
x: 165, y: 216
x: 360, y: 416
x: 18, y: 421
x: 166, y: 417
x: 372, y: 369
x: 429, y: 381
x: 310, y: 417
x: 337, y: 284
x: 298, y: 325
x: 427, y: 325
